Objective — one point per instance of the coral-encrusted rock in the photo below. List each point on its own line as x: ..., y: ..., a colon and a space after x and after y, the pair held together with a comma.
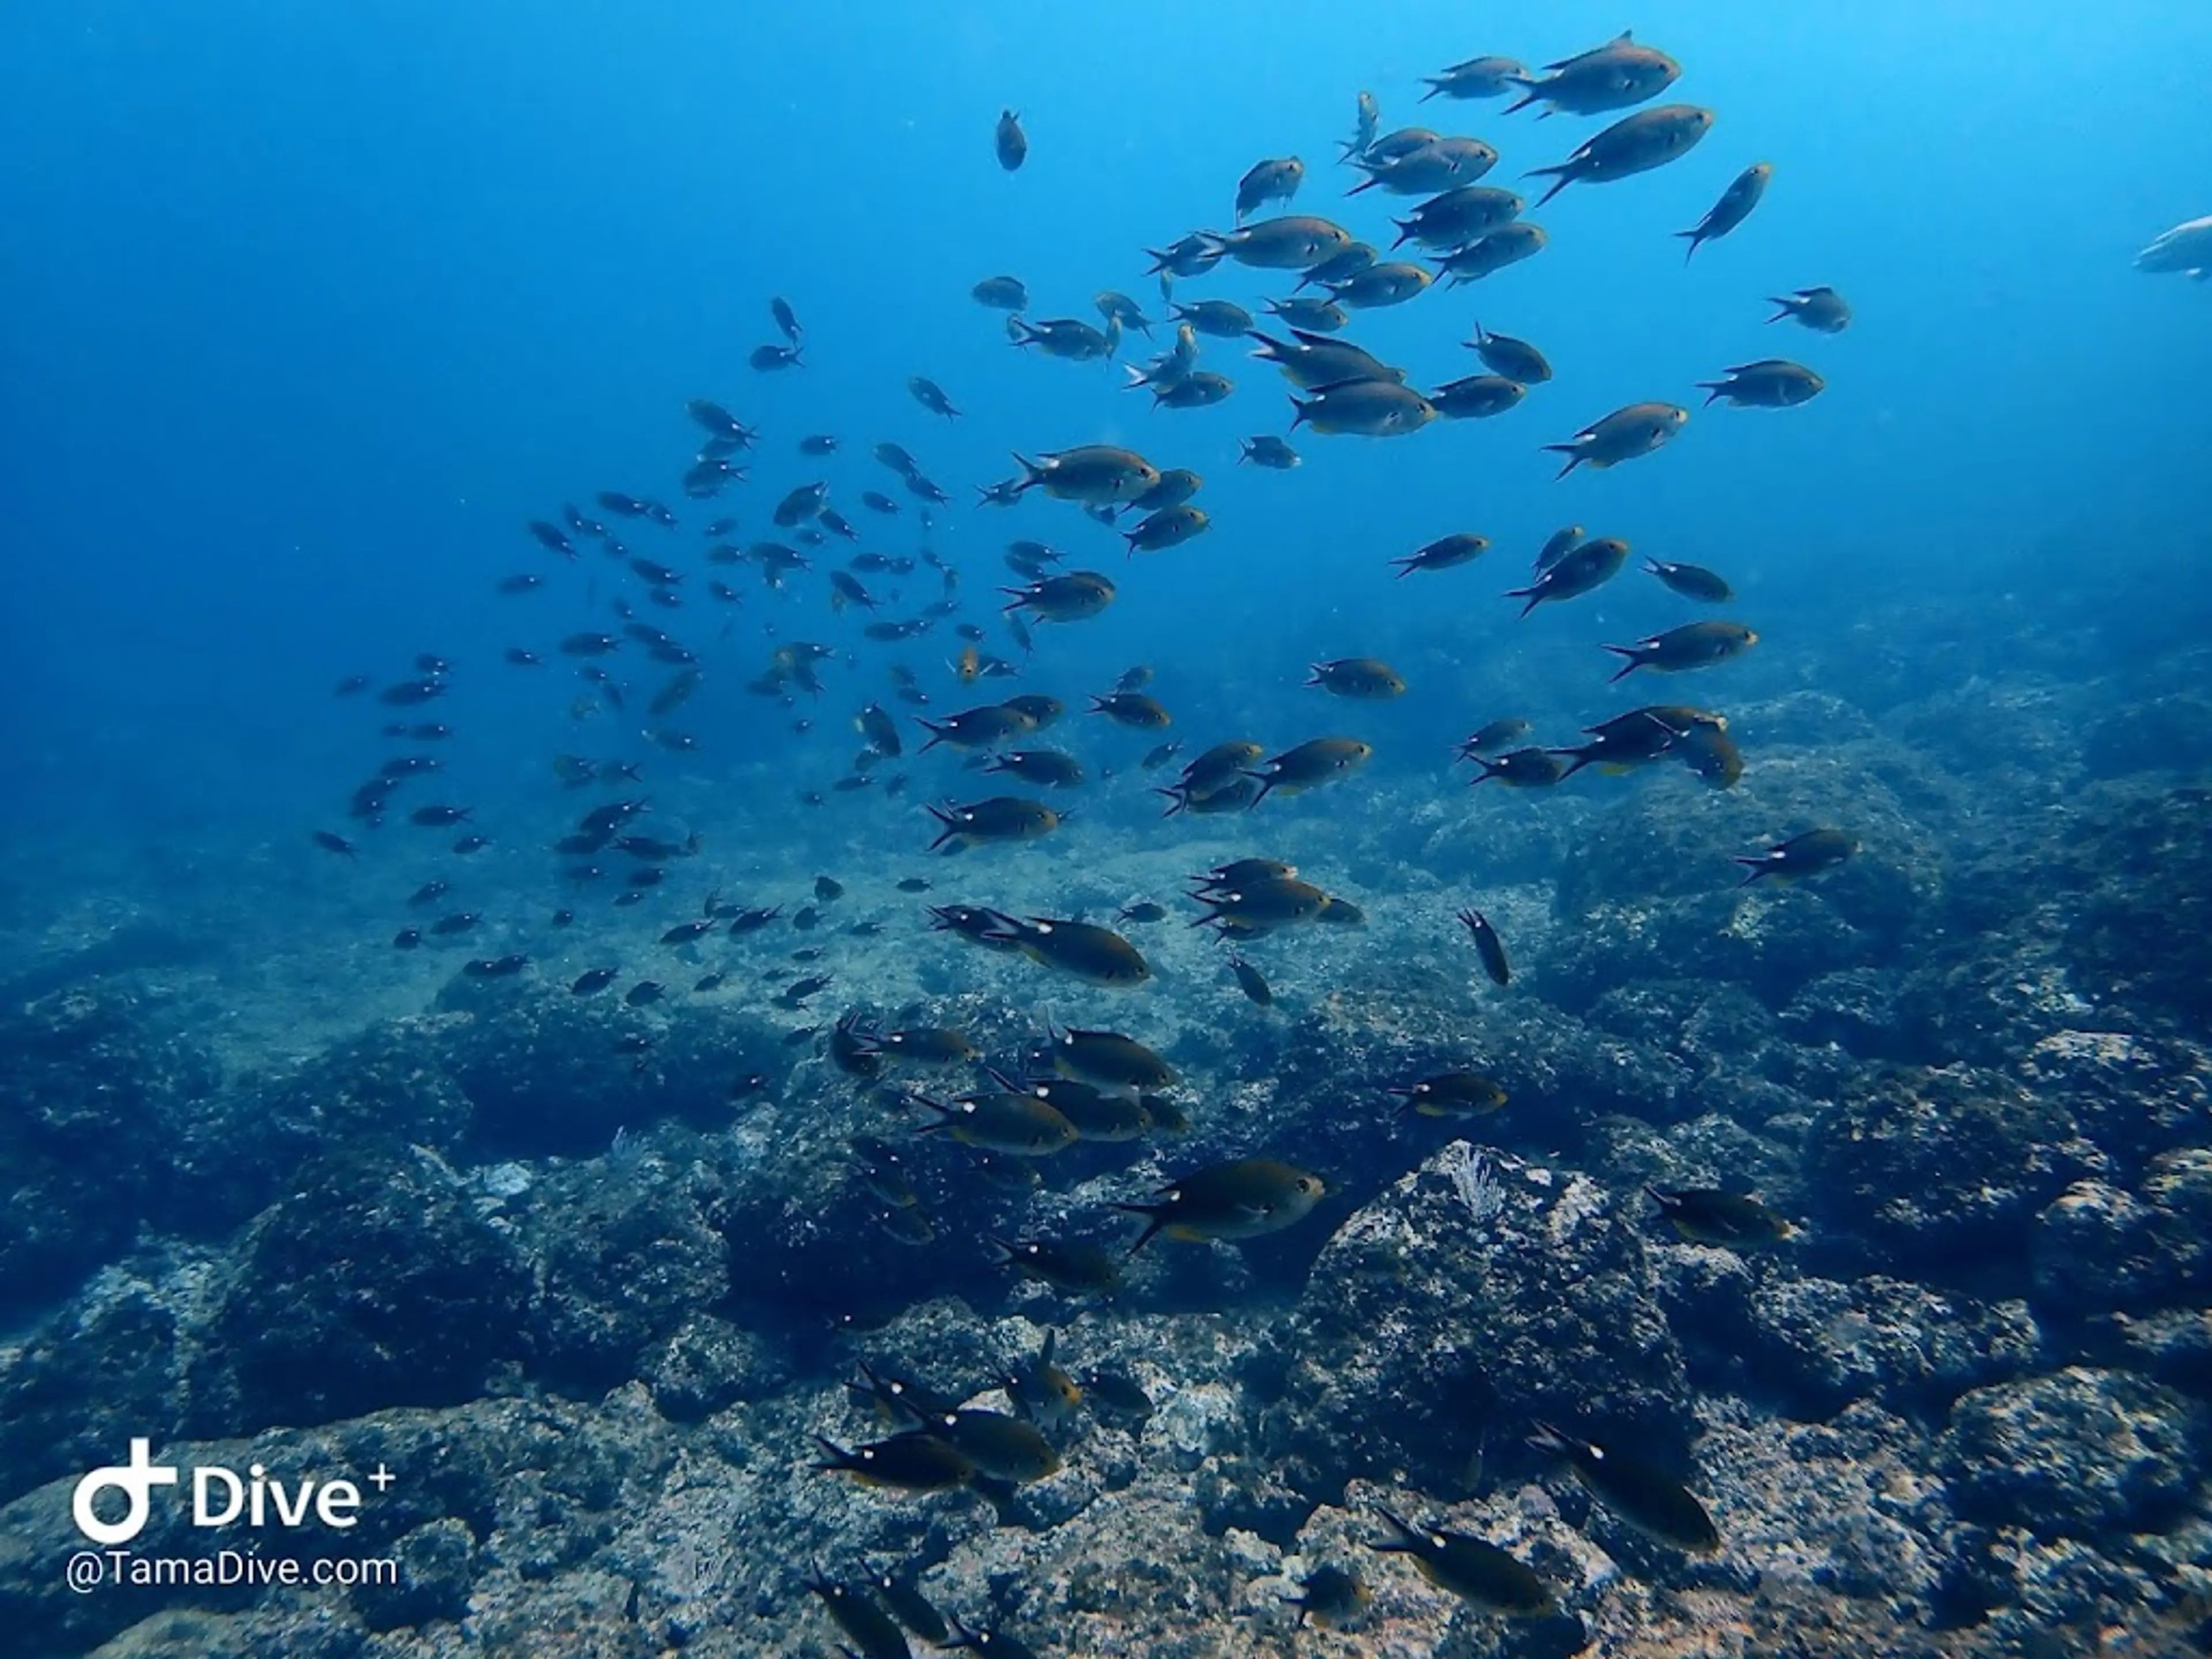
x: 623, y: 1256
x: 2077, y: 1453
x: 92, y: 1097
x: 2099, y: 1249
x: 375, y: 1284
x: 435, y: 1567
x: 2134, y: 1095
x: 1823, y: 1343
x: 1931, y: 1165
x: 1431, y: 1316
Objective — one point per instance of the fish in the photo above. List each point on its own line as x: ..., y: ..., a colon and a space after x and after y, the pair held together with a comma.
x: 1003, y: 1448
x: 336, y: 843
x: 1315, y: 316
x: 1118, y: 308
x: 1370, y: 117
x: 1488, y: 946
x: 1094, y: 473
x: 1115, y: 1394
x: 1171, y: 526
x: 911, y: 1607
x: 1477, y: 396
x: 1369, y: 678
x: 1477, y: 77
x: 1250, y: 981
x: 1693, y: 645
x: 975, y: 728
x: 1001, y: 817
x: 769, y: 359
x: 1487, y: 255
x: 1075, y: 596
x: 1734, y: 207
x: 1110, y: 1061
x: 1318, y: 761
x: 786, y: 318
x: 1632, y: 430
x: 1223, y: 319
x: 1435, y: 165
x: 1268, y: 452
x: 1314, y: 360
x: 1453, y: 1094
x: 929, y: 1045
x: 1473, y: 1568
x: 1582, y: 570
x: 1635, y: 144
x: 1455, y: 218
x: 1097, y: 954
x: 1389, y: 282
x: 1496, y: 735
x: 1617, y: 75
x: 930, y: 396
x: 1133, y: 709
x: 1040, y: 1391
x: 1010, y: 143
x: 1348, y: 261
x: 497, y: 967
x: 1001, y: 293
x: 1515, y: 359
x: 1769, y: 383
x: 1808, y: 854
x: 1637, y: 1490
x: 1052, y: 767
x: 1275, y: 180
x: 1366, y: 408
x: 1247, y: 1199
x: 1692, y: 582
x: 2186, y: 248
x: 913, y: 1462
x: 1016, y: 1125
x: 1199, y: 389
x: 1636, y: 739
x: 1520, y: 769
x: 1820, y: 309
x: 1462, y: 547
x: 1709, y: 1215
x: 1291, y: 241
x: 1076, y: 1269
x: 874, y: 1633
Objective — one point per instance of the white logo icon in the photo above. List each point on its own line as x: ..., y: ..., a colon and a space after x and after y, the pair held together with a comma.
x: 136, y: 1480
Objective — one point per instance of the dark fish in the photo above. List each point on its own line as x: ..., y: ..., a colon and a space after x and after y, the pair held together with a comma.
x: 1820, y: 309
x: 521, y: 659
x: 338, y: 844
x: 1488, y: 946
x: 438, y: 818
x: 1582, y: 570
x: 1808, y: 854
x: 913, y: 1462
x: 351, y: 685
x: 468, y: 844
x: 815, y: 443
x: 1494, y: 735
x: 1443, y: 554
x: 644, y: 991
x: 1692, y: 582
x: 1769, y: 383
x: 1011, y: 143
x: 1516, y: 360
x: 930, y: 396
x: 1478, y: 77
x: 409, y: 692
x: 1243, y: 1199
x: 1330, y: 1596
x: 786, y: 319
x: 407, y: 939
x: 1709, y: 1215
x: 1367, y: 678
x: 1635, y: 144
x: 1477, y: 396
x: 1637, y: 1490
x: 1250, y: 982
x: 1521, y: 769
x: 1453, y: 1094
x: 497, y: 967
x: 1693, y: 645
x: 767, y: 359
x: 553, y: 538
x: 1075, y: 1268
x: 1275, y: 180
x: 1318, y: 761
x: 1473, y: 1568
x: 1615, y: 75
x: 592, y: 981
x: 1001, y: 293
x: 1734, y: 207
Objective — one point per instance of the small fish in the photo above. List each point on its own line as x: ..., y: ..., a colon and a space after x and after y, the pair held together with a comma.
x: 1632, y: 430
x: 1520, y: 769
x: 1243, y: 1199
x: 769, y: 359
x: 1635, y: 1489
x: 1478, y: 77
x: 1488, y: 946
x: 1692, y: 582
x: 1473, y: 1568
x: 1144, y: 910
x: 1446, y: 551
x: 1734, y: 207
x: 913, y: 1462
x: 497, y: 967
x: 1250, y: 981
x: 1769, y: 383
x: 592, y: 981
x: 1820, y: 309
x: 1001, y: 293
x: 1330, y: 1596
x: 1808, y: 854
x: 1275, y: 180
x: 1367, y: 678
x: 1693, y: 645
x: 930, y: 396
x: 1516, y: 360
x: 1075, y: 1269
x: 1709, y: 1215
x: 407, y: 939
x: 1453, y: 1094
x: 1011, y: 143
x: 1494, y: 735
x: 1268, y: 452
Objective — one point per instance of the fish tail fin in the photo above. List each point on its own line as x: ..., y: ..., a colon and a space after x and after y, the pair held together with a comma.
x: 1635, y: 660
x: 1713, y: 390
x: 1577, y: 759
x: 1298, y: 417
x: 1696, y: 240
x: 1155, y: 1219
x: 1408, y: 1539
x: 1575, y: 459
x: 1757, y: 867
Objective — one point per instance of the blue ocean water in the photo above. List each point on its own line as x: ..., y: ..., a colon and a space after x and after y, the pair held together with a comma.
x: 310, y: 309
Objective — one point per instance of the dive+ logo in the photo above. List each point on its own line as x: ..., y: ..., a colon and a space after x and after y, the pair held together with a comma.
x: 221, y: 1496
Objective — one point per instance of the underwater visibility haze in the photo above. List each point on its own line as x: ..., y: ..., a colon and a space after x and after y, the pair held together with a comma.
x: 1198, y: 830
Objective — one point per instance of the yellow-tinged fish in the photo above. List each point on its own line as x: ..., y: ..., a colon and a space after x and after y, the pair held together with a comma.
x: 1248, y: 1199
